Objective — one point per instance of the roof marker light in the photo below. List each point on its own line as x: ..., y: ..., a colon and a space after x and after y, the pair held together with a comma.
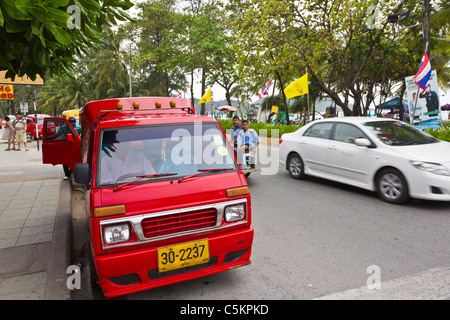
x: 172, y: 104
x: 136, y: 105
x: 158, y: 104
x: 119, y: 106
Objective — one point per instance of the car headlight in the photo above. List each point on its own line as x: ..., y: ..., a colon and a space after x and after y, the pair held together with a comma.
x: 116, y: 233
x: 435, y: 168
x: 235, y: 213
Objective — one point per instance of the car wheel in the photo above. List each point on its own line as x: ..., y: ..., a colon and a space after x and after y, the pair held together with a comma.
x: 295, y: 167
x: 392, y: 186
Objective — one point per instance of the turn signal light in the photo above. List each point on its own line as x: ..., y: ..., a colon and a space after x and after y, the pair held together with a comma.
x: 109, y: 211
x: 235, y: 192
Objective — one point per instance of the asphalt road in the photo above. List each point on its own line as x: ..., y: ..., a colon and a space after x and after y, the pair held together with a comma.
x: 315, y: 238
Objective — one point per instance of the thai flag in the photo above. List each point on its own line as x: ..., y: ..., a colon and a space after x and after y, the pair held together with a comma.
x: 264, y: 90
x: 178, y: 95
x: 423, y: 74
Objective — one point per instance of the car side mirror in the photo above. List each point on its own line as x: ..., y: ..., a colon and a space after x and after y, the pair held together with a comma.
x: 69, y: 137
x: 363, y: 142
x: 82, y: 173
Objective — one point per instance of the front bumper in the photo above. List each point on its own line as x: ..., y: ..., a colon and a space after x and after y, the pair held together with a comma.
x: 128, y: 272
x: 429, y: 186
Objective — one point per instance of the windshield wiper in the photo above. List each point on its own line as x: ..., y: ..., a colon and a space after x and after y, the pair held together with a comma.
x: 202, y: 171
x: 143, y: 177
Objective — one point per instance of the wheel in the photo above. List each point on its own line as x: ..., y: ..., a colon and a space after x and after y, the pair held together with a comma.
x: 96, y: 291
x: 392, y: 187
x: 295, y: 167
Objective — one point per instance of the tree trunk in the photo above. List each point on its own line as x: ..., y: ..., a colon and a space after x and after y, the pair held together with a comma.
x: 192, y: 87
x: 203, y: 107
x: 284, y: 97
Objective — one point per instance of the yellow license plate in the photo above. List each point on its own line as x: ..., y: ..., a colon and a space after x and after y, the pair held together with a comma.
x: 183, y: 255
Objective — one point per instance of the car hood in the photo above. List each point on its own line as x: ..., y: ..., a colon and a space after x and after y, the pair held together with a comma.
x: 434, y: 152
x: 161, y: 196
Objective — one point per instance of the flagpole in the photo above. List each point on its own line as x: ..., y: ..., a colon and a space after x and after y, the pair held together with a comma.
x: 415, y: 104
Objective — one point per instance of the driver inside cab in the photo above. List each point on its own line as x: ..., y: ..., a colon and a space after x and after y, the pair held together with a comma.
x: 119, y: 161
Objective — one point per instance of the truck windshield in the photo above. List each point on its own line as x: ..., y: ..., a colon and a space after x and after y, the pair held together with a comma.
x: 179, y: 149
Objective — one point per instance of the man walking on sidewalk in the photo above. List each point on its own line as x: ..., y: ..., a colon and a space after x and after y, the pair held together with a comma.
x: 20, y: 125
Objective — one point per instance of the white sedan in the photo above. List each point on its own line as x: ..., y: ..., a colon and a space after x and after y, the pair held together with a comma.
x: 388, y: 156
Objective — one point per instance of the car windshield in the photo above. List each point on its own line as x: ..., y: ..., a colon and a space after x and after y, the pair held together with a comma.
x: 162, y: 152
x: 398, y: 133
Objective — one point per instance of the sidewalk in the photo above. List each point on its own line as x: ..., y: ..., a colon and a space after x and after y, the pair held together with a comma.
x: 34, y: 227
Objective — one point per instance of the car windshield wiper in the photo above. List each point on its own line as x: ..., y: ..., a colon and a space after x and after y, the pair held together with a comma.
x: 153, y: 175
x: 202, y: 171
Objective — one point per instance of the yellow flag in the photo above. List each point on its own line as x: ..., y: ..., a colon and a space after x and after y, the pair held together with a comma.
x: 297, y: 88
x: 206, y: 97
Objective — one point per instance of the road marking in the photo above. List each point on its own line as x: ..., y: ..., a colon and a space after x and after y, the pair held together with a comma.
x: 432, y: 284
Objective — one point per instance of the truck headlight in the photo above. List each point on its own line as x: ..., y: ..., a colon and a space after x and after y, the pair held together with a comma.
x: 116, y: 233
x: 235, y: 213
x: 435, y: 168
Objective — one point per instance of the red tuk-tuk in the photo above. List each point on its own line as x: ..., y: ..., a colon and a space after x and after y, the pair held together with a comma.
x: 166, y: 200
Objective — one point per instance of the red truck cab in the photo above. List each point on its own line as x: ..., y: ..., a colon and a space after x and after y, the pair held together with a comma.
x: 31, y: 126
x: 166, y: 200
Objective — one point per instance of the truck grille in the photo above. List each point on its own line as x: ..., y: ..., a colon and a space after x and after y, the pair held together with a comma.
x: 179, y: 222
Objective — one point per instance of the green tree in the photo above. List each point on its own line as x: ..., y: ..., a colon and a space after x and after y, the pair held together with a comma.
x: 154, y: 35
x: 40, y: 35
x: 107, y: 69
x: 341, y: 50
x: 63, y: 93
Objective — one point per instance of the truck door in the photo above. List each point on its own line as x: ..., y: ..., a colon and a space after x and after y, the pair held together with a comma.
x: 61, y: 144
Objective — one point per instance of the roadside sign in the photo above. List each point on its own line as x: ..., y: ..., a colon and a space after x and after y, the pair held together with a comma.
x: 6, y: 92
x: 24, y: 107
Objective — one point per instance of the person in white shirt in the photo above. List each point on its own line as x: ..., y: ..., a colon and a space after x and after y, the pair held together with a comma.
x: 247, y: 139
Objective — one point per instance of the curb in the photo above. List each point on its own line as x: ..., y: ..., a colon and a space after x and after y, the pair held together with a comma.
x: 55, y: 285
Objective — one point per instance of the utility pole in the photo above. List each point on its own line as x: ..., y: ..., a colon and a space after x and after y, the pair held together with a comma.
x: 131, y: 93
x: 426, y: 27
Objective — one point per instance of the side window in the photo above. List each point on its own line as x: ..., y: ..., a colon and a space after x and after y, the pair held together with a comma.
x: 58, y: 130
x: 319, y: 130
x: 347, y: 133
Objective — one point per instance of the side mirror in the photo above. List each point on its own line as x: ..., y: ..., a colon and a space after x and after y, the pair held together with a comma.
x: 69, y: 137
x: 363, y: 142
x: 82, y: 173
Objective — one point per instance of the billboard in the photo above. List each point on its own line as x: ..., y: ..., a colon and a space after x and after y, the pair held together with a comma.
x: 423, y: 105
x: 6, y: 92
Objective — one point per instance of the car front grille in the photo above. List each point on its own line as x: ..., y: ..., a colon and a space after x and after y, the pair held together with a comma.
x: 179, y: 222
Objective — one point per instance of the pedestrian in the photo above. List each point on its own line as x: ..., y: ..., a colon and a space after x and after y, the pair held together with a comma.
x: 20, y: 124
x: 73, y: 122
x: 248, y: 139
x: 235, y: 131
x: 9, y: 133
